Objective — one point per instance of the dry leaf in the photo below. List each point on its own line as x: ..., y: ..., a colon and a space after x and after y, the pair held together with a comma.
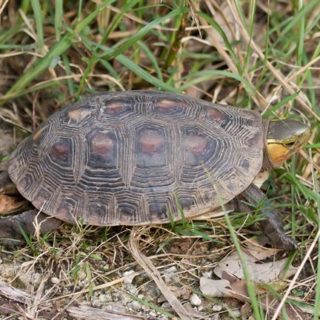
x: 256, y: 250
x: 228, y: 287
x: 10, y: 204
x: 263, y: 272
x: 231, y: 287
x: 215, y: 288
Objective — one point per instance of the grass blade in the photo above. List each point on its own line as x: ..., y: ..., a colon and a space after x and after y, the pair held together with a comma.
x: 38, y: 15
x: 58, y: 49
x: 58, y: 18
x: 126, y: 44
x: 144, y: 74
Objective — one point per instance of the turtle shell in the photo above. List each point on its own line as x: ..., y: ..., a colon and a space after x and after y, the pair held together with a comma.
x: 138, y: 157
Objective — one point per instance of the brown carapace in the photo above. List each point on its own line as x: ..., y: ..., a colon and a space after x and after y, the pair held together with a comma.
x: 138, y: 158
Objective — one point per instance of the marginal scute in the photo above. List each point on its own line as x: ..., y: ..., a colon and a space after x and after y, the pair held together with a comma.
x: 130, y: 207
x: 42, y: 198
x: 254, y: 141
x: 26, y: 181
x: 138, y: 157
x: 245, y: 164
x: 158, y: 209
x: 66, y: 210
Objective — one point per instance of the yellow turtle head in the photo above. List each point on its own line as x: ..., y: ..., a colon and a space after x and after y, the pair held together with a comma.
x: 284, y: 138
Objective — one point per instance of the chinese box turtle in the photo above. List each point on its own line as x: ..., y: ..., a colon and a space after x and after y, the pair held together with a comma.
x: 147, y: 157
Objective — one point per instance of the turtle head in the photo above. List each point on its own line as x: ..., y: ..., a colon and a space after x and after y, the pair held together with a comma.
x: 284, y: 138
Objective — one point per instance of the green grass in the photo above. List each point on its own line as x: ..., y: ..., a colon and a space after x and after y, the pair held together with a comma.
x: 52, y: 53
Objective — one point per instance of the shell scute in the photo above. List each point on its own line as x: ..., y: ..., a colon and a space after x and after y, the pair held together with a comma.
x: 102, y: 146
x: 62, y: 151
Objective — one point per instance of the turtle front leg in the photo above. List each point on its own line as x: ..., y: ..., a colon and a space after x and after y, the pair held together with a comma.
x: 272, y: 225
x: 13, y: 227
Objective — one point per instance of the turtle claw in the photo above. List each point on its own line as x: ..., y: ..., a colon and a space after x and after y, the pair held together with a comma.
x: 273, y: 230
x: 282, y: 241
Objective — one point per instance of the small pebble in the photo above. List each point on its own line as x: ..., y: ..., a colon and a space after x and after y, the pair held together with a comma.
x: 217, y: 308
x: 55, y: 280
x: 109, y: 307
x: 82, y: 275
x: 103, y: 297
x: 153, y: 314
x: 106, y: 267
x: 235, y: 313
x: 135, y: 305
x: 128, y: 276
x: 195, y: 300
x: 131, y: 288
x: 170, y: 274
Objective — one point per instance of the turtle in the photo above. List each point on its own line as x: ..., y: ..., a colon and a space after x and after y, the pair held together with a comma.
x: 147, y: 157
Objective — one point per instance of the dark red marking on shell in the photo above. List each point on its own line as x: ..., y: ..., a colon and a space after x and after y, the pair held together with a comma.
x: 97, y: 210
x: 199, y: 148
x: 185, y: 202
x: 101, y: 144
x: 169, y: 106
x: 151, y: 148
x: 151, y: 141
x: 129, y: 209
x: 61, y: 151
x: 196, y: 144
x: 216, y: 115
x: 117, y: 107
x: 102, y: 148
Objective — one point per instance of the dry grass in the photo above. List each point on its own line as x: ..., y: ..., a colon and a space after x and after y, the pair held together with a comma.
x: 257, y: 55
